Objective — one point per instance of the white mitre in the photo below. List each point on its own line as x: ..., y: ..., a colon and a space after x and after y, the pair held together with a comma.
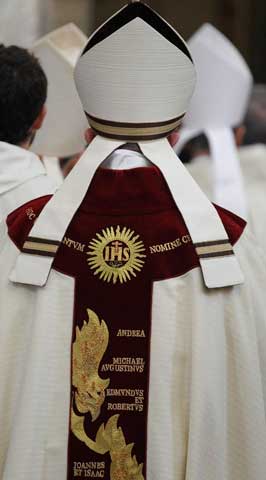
x: 62, y: 133
x: 135, y: 76
x: 219, y: 103
x: 135, y: 79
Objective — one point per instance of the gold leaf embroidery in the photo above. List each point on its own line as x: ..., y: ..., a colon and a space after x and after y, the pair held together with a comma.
x: 88, y: 350
x: 111, y: 439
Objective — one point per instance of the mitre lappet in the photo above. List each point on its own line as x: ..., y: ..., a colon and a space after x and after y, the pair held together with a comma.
x: 135, y: 78
x: 219, y: 104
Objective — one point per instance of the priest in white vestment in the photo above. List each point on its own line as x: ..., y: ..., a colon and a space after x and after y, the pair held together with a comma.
x: 221, y: 167
x: 217, y: 111
x: 132, y: 326
x: 23, y: 88
x: 253, y: 161
x: 62, y: 134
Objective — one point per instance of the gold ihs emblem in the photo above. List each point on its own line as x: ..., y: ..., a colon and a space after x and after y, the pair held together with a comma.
x: 116, y: 255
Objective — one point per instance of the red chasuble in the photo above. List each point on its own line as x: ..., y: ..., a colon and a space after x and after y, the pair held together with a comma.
x: 126, y: 234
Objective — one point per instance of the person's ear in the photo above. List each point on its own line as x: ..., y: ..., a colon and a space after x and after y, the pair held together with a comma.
x: 240, y: 132
x: 173, y: 138
x: 39, y: 120
x: 89, y: 135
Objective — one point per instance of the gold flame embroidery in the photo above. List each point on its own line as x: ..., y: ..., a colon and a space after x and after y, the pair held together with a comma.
x: 88, y: 350
x: 110, y: 438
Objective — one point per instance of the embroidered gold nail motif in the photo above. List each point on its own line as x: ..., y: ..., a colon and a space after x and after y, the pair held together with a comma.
x: 116, y: 255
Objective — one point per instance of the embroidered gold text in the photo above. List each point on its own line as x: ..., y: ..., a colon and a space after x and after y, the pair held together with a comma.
x: 166, y: 247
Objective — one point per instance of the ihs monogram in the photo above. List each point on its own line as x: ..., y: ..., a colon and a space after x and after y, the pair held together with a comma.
x: 116, y: 255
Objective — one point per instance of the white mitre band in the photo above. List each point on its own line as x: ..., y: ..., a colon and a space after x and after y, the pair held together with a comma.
x: 135, y: 79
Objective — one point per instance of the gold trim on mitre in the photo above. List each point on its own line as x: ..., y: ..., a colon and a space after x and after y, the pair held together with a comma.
x: 134, y: 131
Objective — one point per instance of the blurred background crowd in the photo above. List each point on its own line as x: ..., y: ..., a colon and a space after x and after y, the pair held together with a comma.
x: 243, y: 22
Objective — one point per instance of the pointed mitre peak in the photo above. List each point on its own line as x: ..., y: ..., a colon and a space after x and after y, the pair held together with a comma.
x: 221, y: 47
x: 224, y: 81
x: 135, y: 76
x: 62, y: 133
x: 129, y: 13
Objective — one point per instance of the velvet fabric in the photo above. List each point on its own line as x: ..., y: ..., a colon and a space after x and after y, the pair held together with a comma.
x: 139, y: 192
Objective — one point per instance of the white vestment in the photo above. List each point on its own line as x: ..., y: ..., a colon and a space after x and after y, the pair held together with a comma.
x: 53, y: 169
x: 207, y: 387
x: 22, y: 178
x: 253, y: 166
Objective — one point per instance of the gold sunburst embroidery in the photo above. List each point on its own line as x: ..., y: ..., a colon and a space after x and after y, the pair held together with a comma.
x: 116, y: 255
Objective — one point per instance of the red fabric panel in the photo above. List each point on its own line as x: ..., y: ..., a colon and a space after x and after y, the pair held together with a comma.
x: 132, y: 193
x: 21, y: 221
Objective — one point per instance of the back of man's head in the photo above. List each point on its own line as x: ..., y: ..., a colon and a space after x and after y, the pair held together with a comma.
x: 199, y: 145
x: 23, y: 91
x: 195, y: 147
x: 255, y: 121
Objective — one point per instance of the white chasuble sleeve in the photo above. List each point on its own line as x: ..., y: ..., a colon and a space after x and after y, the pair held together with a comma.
x: 35, y: 359
x: 208, y: 376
